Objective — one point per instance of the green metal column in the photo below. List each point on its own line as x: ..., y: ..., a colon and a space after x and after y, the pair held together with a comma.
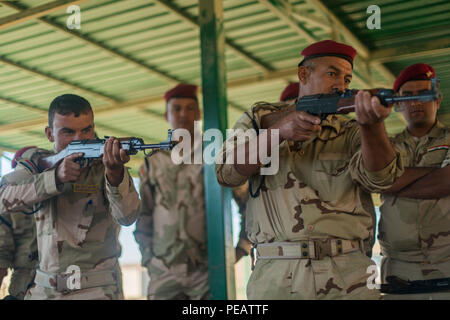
x: 218, y: 199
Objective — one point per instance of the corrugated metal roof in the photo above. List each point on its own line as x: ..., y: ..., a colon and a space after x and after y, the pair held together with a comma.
x: 128, y: 53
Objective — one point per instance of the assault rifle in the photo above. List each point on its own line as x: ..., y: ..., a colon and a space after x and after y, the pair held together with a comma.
x: 93, y: 150
x: 322, y: 105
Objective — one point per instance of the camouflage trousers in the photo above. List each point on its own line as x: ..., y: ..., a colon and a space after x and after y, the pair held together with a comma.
x: 417, y: 271
x: 177, y: 282
x: 21, y: 280
x: 340, y: 277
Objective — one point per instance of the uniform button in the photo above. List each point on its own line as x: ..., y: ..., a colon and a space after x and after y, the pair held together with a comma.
x: 310, y: 227
x: 304, y: 245
x: 306, y: 198
x: 302, y: 152
x: 305, y: 254
x: 335, y: 172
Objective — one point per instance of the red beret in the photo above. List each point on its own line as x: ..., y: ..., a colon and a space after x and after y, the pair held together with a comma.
x: 419, y: 71
x: 290, y: 92
x: 329, y: 48
x: 182, y: 90
x: 19, y: 154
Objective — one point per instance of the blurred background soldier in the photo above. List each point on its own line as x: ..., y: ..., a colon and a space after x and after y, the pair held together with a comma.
x: 18, y: 248
x: 290, y: 93
x: 77, y: 210
x: 415, y: 215
x: 171, y: 230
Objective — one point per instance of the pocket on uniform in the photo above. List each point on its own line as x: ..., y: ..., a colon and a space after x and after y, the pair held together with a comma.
x: 331, y: 176
x: 354, y: 271
x: 327, y: 279
x: 156, y: 266
x: 166, y: 183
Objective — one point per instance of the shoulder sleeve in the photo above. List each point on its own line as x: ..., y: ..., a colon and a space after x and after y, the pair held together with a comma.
x: 245, y: 128
x: 123, y: 200
x: 7, y: 246
x: 26, y: 185
x: 376, y: 181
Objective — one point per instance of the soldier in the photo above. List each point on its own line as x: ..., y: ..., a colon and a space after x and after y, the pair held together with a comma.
x: 311, y: 223
x: 171, y: 230
x: 18, y: 251
x: 414, y: 221
x: 290, y: 93
x: 77, y: 210
x: 18, y: 248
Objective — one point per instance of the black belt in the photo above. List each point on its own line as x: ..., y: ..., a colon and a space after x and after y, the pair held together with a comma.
x: 397, y: 285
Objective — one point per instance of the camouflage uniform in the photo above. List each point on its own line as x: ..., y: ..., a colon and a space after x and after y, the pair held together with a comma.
x: 76, y: 223
x: 18, y: 250
x: 414, y: 234
x: 171, y: 229
x: 312, y: 208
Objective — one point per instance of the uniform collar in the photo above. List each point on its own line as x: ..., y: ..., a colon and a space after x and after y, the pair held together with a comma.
x: 435, y: 132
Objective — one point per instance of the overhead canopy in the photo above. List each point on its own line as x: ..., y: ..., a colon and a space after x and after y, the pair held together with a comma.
x: 128, y: 53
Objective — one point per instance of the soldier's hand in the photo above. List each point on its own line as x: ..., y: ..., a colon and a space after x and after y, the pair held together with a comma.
x: 297, y: 126
x: 114, y: 159
x: 239, y: 253
x: 68, y: 170
x: 369, y: 110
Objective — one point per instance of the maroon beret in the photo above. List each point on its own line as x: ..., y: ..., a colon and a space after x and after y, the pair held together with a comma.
x: 329, y: 48
x: 182, y: 90
x: 19, y: 154
x: 290, y: 92
x: 419, y: 71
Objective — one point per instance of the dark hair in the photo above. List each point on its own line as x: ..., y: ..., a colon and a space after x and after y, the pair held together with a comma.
x: 67, y: 104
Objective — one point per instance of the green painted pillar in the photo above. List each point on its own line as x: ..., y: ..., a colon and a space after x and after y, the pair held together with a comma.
x: 218, y: 199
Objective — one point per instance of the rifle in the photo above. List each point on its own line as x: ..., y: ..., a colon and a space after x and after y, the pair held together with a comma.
x: 322, y: 105
x: 93, y: 150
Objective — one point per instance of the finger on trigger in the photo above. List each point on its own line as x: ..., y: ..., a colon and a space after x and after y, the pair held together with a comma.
x: 124, y: 156
x: 309, y: 118
x: 116, y: 151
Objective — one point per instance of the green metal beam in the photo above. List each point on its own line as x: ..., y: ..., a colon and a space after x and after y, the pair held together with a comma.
x: 218, y: 199
x: 229, y: 43
x: 279, y: 10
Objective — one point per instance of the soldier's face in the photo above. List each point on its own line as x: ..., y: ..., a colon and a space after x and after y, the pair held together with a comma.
x: 182, y: 112
x: 328, y: 74
x: 67, y: 128
x: 416, y: 113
